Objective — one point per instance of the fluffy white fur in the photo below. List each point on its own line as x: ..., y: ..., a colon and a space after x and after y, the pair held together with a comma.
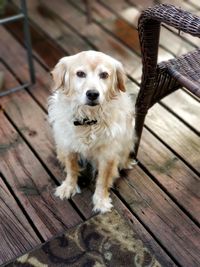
x: 108, y: 143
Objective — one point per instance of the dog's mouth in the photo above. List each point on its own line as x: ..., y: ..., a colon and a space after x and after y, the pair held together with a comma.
x: 92, y: 103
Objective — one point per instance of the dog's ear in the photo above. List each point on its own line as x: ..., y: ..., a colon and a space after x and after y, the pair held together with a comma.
x: 121, y: 77
x: 58, y: 75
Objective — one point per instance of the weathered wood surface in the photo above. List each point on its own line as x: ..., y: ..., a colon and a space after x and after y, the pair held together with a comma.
x: 92, y: 33
x: 32, y: 185
x: 163, y: 190
x: 17, y: 235
x: 33, y: 189
x: 20, y: 108
x: 162, y: 217
x: 27, y: 177
x: 142, y: 233
x: 186, y: 5
x: 171, y: 174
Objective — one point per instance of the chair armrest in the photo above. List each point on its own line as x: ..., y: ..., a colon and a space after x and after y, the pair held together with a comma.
x: 149, y: 30
x: 172, y: 16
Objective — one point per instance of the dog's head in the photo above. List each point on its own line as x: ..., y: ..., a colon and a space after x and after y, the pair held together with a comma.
x: 89, y: 77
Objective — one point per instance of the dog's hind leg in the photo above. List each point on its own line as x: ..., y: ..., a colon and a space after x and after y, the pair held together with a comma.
x: 107, y: 172
x: 69, y: 186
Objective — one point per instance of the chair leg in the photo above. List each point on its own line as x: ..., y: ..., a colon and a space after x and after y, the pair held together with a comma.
x: 88, y: 4
x: 139, y: 123
x: 28, y: 42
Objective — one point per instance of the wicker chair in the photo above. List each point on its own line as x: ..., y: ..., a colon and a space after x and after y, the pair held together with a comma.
x: 159, y: 80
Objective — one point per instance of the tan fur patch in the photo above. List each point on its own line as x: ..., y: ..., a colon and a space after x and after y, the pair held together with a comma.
x: 71, y: 163
x: 94, y: 63
x: 107, y: 174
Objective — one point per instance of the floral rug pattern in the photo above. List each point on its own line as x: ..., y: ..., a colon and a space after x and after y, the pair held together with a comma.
x: 104, y: 240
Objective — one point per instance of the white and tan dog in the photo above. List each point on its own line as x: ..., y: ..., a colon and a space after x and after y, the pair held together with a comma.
x: 92, y: 117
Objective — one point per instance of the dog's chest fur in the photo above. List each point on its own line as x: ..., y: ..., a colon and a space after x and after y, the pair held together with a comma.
x: 91, y: 137
x: 114, y: 124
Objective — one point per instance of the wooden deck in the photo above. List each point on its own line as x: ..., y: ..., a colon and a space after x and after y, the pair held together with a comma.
x: 160, y: 197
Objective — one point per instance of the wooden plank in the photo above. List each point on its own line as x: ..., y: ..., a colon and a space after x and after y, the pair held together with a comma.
x: 92, y: 33
x: 144, y: 4
x: 175, y: 134
x: 40, y: 42
x: 32, y: 185
x: 142, y: 234
x: 131, y: 15
x: 194, y: 2
x: 174, y: 230
x: 117, y: 27
x: 175, y: 177
x: 20, y: 108
x: 55, y: 28
x: 16, y: 56
x: 185, y: 5
x: 17, y: 235
x: 186, y: 107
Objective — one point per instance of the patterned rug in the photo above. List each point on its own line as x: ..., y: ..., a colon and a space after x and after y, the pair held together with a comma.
x: 104, y: 240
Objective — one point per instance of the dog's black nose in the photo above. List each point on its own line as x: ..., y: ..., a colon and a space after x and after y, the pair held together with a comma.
x: 92, y: 94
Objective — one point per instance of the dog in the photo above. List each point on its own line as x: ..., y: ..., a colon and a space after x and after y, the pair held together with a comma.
x: 92, y: 117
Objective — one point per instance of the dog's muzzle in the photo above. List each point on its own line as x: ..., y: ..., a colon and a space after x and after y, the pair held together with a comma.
x: 92, y: 97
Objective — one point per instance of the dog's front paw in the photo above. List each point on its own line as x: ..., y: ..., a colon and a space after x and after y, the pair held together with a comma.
x: 66, y: 191
x: 102, y: 205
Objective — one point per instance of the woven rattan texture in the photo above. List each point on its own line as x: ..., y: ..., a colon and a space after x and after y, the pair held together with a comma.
x: 173, y: 16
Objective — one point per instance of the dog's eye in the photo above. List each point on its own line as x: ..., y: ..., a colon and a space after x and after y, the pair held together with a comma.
x: 81, y: 74
x: 103, y: 75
